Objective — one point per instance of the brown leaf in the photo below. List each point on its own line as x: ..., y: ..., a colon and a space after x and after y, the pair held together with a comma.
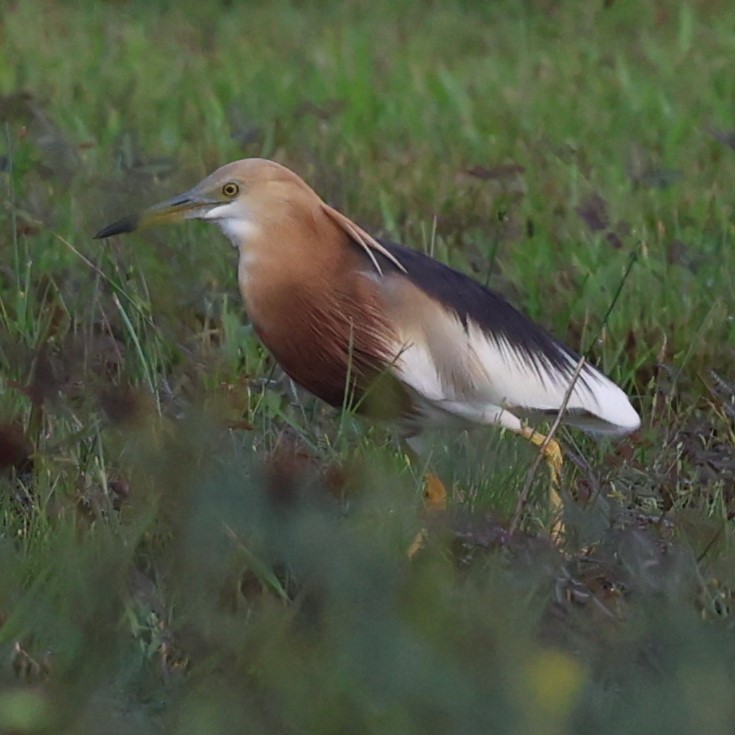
x: 15, y: 449
x: 495, y: 173
x: 613, y: 240
x: 593, y: 211
x: 122, y: 404
x: 293, y: 468
x: 323, y: 112
x: 119, y: 492
x: 726, y: 137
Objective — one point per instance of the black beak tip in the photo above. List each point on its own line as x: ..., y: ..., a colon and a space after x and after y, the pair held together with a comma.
x: 128, y: 224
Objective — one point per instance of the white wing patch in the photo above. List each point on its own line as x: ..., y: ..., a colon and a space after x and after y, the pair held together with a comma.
x: 478, y: 378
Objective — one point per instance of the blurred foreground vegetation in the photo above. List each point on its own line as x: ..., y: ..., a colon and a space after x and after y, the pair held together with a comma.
x: 191, y: 545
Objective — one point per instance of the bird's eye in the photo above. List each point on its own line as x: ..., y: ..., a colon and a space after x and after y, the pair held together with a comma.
x: 230, y: 189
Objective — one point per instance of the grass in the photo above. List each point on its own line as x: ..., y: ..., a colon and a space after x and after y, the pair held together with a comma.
x: 190, y: 546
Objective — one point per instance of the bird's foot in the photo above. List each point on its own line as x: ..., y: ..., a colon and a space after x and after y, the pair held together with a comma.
x: 435, y: 493
x: 435, y: 501
x: 418, y: 543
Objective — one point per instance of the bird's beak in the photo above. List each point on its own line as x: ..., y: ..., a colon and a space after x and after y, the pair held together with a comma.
x: 189, y: 205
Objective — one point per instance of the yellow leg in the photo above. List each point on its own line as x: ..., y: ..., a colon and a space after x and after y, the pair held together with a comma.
x: 435, y: 500
x: 435, y: 494
x: 555, y: 460
x: 418, y: 543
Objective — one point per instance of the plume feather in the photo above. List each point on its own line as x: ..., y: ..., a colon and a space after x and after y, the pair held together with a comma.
x: 366, y: 241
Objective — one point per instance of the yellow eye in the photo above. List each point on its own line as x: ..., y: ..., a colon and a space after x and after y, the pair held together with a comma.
x: 230, y: 189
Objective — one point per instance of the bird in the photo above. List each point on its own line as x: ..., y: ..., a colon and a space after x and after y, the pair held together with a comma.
x: 371, y: 325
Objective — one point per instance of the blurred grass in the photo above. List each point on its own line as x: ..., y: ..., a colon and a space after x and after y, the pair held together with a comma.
x: 190, y: 546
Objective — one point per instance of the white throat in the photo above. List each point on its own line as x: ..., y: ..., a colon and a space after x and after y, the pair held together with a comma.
x: 239, y: 231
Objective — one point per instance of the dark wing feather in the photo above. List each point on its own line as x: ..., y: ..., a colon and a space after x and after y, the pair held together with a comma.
x: 470, y: 300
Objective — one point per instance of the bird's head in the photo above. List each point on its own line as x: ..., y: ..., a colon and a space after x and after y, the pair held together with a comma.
x: 257, y: 202
x: 238, y: 197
